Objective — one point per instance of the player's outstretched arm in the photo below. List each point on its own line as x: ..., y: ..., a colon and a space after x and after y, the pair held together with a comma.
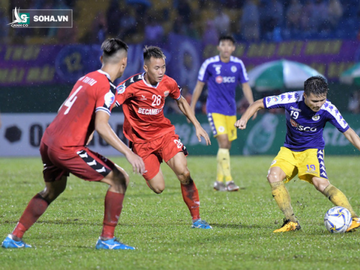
x: 186, y: 110
x: 351, y: 135
x: 248, y: 95
x: 253, y: 108
x: 106, y: 132
x: 196, y: 94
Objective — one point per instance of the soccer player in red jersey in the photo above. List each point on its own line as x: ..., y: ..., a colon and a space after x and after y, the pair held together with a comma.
x: 151, y: 135
x: 63, y: 148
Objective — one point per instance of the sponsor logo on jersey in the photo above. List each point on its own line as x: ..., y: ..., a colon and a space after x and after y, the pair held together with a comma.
x: 121, y: 89
x: 295, y: 109
x: 149, y: 111
x: 300, y: 127
x: 143, y: 97
x: 233, y: 69
x: 219, y: 79
x: 274, y: 99
x: 293, y: 123
x: 316, y: 117
x: 109, y: 99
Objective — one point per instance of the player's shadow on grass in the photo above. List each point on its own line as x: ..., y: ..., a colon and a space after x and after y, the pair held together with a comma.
x: 238, y: 226
x: 151, y: 193
x: 57, y: 222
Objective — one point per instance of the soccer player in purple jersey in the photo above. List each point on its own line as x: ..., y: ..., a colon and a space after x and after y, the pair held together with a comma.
x: 306, y: 112
x: 223, y: 73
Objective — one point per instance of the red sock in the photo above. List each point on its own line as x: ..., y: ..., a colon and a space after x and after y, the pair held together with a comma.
x: 33, y: 211
x: 191, y: 198
x: 113, y: 206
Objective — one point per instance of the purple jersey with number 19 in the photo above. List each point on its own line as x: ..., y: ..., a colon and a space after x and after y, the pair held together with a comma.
x: 222, y: 79
x: 304, y: 126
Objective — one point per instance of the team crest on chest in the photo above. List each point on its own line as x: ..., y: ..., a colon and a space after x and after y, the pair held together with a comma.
x: 316, y: 117
x: 233, y: 69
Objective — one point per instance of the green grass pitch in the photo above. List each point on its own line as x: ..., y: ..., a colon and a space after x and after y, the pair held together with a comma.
x: 159, y: 225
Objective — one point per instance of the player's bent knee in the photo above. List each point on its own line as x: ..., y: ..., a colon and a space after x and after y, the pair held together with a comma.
x: 273, y: 177
x: 158, y: 190
x: 320, y: 183
x: 53, y: 189
x: 184, y: 177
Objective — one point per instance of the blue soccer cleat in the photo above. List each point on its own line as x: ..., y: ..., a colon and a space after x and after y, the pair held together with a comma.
x: 9, y: 242
x: 200, y: 224
x: 111, y: 244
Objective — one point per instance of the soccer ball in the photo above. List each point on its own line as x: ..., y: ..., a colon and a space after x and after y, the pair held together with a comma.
x: 337, y: 219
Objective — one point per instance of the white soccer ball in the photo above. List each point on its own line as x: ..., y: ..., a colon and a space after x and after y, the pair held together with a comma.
x: 337, y: 219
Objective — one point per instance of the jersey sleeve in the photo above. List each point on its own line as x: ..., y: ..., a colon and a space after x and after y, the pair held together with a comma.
x: 204, y: 72
x: 281, y: 101
x: 123, y: 93
x: 243, y: 76
x: 335, y: 117
x: 175, y: 92
x: 105, y: 98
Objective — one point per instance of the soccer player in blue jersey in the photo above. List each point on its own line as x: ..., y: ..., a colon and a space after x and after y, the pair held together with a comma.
x: 223, y: 73
x: 306, y: 112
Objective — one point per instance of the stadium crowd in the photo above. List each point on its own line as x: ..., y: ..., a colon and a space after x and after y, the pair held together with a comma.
x: 148, y: 20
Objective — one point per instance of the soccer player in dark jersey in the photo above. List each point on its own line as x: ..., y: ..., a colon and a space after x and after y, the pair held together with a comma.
x: 63, y: 148
x: 223, y: 73
x: 151, y: 135
x: 306, y: 112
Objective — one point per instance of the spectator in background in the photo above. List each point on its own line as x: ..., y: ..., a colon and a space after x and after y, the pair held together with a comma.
x: 4, y: 27
x: 99, y: 29
x: 293, y: 15
x: 67, y: 35
x: 210, y: 35
x: 276, y: 13
x: 141, y: 6
x: 250, y: 22
x: 274, y: 20
x: 184, y: 10
x: 335, y: 12
x: 128, y: 23
x: 154, y: 32
x: 320, y: 15
x: 222, y: 21
x: 307, y: 17
x: 113, y: 15
x: 182, y: 28
x: 183, y: 23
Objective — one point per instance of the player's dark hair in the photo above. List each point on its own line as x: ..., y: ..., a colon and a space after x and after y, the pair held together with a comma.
x: 153, y: 51
x: 316, y: 85
x: 111, y: 46
x: 227, y: 37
